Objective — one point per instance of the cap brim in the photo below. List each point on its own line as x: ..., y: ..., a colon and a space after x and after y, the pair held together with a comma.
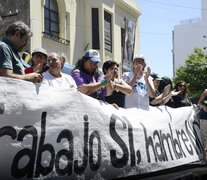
x: 159, y: 79
x: 39, y: 52
x: 94, y: 59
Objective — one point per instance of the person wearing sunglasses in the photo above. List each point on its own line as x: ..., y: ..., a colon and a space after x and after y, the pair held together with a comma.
x: 182, y: 98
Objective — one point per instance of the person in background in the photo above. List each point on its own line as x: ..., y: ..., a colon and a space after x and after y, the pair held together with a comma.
x: 141, y: 84
x: 17, y: 36
x: 203, y: 117
x: 87, y: 76
x: 54, y: 77
x: 164, y: 97
x: 182, y: 98
x: 116, y: 89
x: 39, y: 60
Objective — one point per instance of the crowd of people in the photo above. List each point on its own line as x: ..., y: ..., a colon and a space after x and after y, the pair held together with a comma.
x: 136, y: 89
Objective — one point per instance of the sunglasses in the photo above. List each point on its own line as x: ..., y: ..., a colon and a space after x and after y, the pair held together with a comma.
x: 181, y: 85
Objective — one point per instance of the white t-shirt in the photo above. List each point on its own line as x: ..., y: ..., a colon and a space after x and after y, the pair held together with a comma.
x: 139, y: 97
x: 65, y: 81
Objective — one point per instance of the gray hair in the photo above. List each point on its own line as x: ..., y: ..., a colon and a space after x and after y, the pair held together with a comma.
x: 18, y: 26
x: 63, y: 57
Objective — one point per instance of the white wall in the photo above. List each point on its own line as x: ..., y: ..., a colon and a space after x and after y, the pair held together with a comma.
x: 75, y: 26
x: 189, y: 36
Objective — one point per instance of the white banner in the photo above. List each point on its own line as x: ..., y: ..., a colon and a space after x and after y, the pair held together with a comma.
x: 48, y: 133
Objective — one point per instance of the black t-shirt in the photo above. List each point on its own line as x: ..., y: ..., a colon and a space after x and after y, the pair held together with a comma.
x: 116, y: 97
x: 180, y: 101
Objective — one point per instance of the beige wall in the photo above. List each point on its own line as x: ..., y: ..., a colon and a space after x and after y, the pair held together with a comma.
x: 75, y: 25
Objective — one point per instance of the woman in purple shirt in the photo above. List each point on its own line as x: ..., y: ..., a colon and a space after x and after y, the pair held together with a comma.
x: 88, y: 78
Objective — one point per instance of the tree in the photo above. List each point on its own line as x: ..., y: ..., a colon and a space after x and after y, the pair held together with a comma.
x: 194, y: 72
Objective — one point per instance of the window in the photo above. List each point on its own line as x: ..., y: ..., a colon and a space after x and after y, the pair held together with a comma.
x: 95, y: 29
x: 51, y: 18
x: 107, y: 32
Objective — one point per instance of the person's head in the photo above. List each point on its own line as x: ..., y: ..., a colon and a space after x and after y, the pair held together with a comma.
x: 182, y: 87
x: 55, y: 63
x: 89, y: 62
x: 111, y: 66
x: 92, y: 58
x: 39, y: 56
x: 156, y: 79
x: 18, y: 33
x: 139, y: 60
x: 165, y: 81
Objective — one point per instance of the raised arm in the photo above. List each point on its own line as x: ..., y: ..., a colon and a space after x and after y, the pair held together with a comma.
x: 150, y: 87
x: 172, y: 93
x: 90, y: 88
x: 123, y: 87
x: 137, y: 72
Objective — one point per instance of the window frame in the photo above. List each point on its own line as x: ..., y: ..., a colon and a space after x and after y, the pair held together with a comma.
x: 95, y: 28
x: 108, y: 20
x: 50, y: 20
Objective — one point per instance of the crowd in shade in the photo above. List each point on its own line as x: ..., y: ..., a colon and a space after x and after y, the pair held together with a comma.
x: 139, y: 88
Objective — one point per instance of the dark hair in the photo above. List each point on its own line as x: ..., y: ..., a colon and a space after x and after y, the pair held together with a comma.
x: 108, y: 64
x: 186, y: 87
x: 80, y: 65
x: 165, y: 81
x: 18, y: 26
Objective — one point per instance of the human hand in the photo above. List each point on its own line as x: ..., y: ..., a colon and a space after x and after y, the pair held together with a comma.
x: 147, y: 74
x: 37, y: 68
x: 34, y: 77
x: 167, y: 88
x: 109, y: 75
x: 194, y: 105
x: 174, y: 93
x: 115, y: 105
x: 205, y: 109
x: 83, y: 88
x: 138, y: 70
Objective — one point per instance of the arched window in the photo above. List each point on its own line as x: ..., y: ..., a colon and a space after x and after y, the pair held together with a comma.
x: 51, y: 18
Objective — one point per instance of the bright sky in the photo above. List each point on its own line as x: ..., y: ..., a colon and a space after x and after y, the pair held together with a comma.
x: 156, y: 25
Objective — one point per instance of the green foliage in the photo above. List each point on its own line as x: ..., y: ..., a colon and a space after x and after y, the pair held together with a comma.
x: 194, y: 72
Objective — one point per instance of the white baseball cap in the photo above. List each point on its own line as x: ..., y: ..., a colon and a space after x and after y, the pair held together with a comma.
x: 93, y: 55
x: 40, y: 50
x: 139, y: 56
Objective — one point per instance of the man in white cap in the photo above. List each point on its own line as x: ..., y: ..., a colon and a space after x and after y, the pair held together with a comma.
x: 88, y: 78
x: 141, y: 84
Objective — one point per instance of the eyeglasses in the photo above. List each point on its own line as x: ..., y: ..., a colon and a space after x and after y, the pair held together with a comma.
x: 38, y: 55
x: 180, y: 85
x: 52, y: 60
x: 139, y: 61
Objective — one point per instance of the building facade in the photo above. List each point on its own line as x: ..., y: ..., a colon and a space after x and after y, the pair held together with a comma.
x: 74, y: 26
x: 186, y: 37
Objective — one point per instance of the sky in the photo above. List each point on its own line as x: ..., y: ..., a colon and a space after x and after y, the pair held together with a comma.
x: 156, y: 23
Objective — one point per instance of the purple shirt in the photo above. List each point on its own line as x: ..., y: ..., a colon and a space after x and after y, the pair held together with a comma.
x: 83, y: 78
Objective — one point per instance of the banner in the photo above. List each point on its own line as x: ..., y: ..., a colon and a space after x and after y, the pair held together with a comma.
x: 48, y: 133
x: 130, y: 28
